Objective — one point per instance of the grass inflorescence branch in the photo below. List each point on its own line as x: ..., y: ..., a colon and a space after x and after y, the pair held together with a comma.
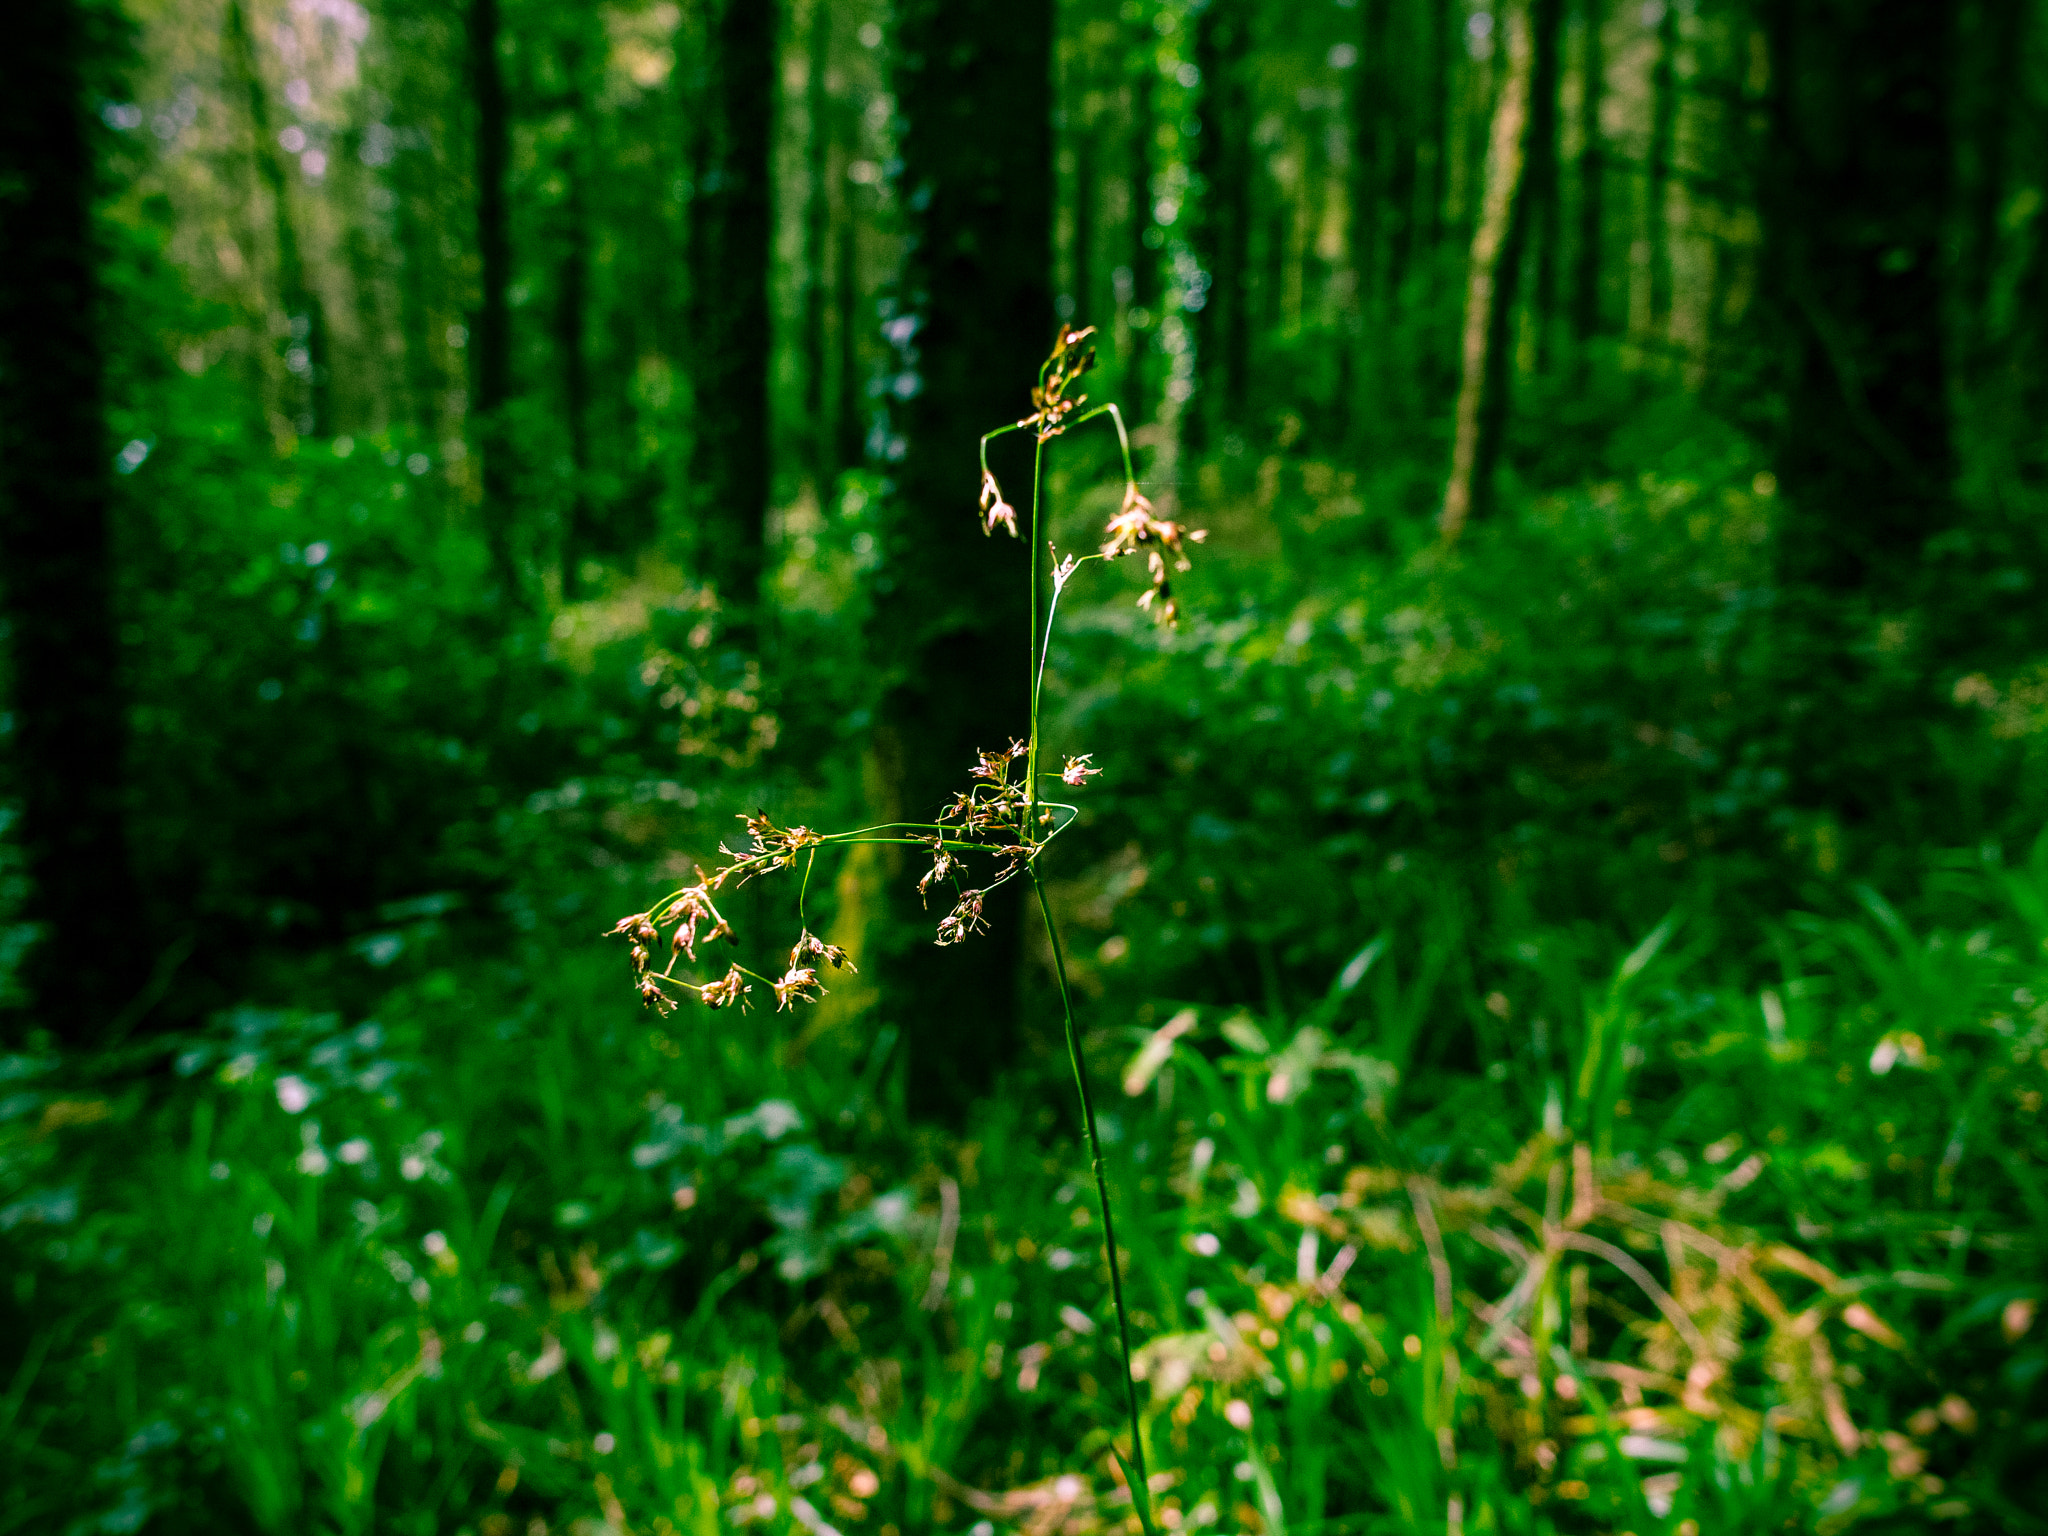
x: 993, y: 831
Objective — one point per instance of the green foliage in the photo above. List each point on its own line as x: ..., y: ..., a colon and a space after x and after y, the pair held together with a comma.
x: 1452, y: 919
x: 347, y: 1274
x: 1596, y: 695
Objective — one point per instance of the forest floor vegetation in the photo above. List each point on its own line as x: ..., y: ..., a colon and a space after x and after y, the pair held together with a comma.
x: 1472, y: 1162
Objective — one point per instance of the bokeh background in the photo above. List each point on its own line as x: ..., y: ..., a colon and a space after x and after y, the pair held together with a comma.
x: 1561, y: 932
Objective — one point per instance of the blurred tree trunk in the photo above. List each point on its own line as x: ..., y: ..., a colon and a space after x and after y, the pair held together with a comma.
x: 1400, y: 150
x: 1545, y: 215
x: 850, y: 413
x: 1993, y: 72
x: 1087, y: 194
x: 2021, y: 300
x: 1856, y: 208
x: 1145, y: 241
x: 822, y: 441
x: 854, y: 409
x: 304, y: 395
x: 572, y: 315
x: 373, y: 394
x: 491, y: 330
x: 70, y: 724
x: 1221, y: 226
x: 1524, y: 114
x: 1432, y: 170
x: 426, y: 51
x: 1386, y: 87
x: 1586, y: 267
x: 1311, y: 270
x: 582, y: 537
x: 1372, y: 118
x: 973, y: 85
x: 732, y: 232
x: 1657, y: 201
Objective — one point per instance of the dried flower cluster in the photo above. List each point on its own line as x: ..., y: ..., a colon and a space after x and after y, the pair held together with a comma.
x: 1136, y: 524
x: 1069, y: 360
x: 994, y: 509
x: 995, y: 816
x: 774, y: 848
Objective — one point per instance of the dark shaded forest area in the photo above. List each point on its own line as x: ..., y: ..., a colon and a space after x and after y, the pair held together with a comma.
x: 1551, y: 929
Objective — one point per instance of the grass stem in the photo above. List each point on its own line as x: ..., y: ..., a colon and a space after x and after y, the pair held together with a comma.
x: 1141, y: 1492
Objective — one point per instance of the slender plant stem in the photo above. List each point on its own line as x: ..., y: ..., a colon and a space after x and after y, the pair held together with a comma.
x: 1031, y: 655
x: 1051, y: 611
x: 1015, y: 426
x: 1141, y: 1490
x: 1123, y: 437
x: 1023, y: 860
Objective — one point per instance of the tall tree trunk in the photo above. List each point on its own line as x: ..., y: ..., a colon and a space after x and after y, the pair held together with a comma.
x: 304, y: 394
x: 1586, y: 267
x: 1400, y: 167
x: 582, y: 537
x: 951, y: 611
x: 70, y: 722
x: 1312, y: 274
x: 1856, y: 211
x: 1372, y: 119
x: 855, y: 326
x: 1545, y: 215
x: 1087, y: 197
x: 1145, y: 235
x: 491, y: 330
x: 851, y: 410
x: 372, y: 399
x: 1663, y: 136
x: 1222, y: 223
x: 2023, y: 344
x: 817, y: 275
x: 731, y: 462
x: 1995, y: 68
x: 1391, y: 95
x: 1272, y: 286
x: 1434, y: 159
x: 1491, y: 280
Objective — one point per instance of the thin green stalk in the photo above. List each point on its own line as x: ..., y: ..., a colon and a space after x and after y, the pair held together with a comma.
x: 1141, y: 1491
x: 1015, y: 426
x: 1051, y: 611
x: 1123, y: 438
x: 776, y: 849
x: 1135, y: 1473
x: 1031, y: 655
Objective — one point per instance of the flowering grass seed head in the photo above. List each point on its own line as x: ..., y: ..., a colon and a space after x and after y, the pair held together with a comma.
x: 808, y: 943
x: 1137, y: 523
x: 1070, y: 358
x: 943, y: 864
x: 964, y: 919
x: 799, y: 984
x: 994, y: 509
x: 730, y: 988
x: 999, y: 818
